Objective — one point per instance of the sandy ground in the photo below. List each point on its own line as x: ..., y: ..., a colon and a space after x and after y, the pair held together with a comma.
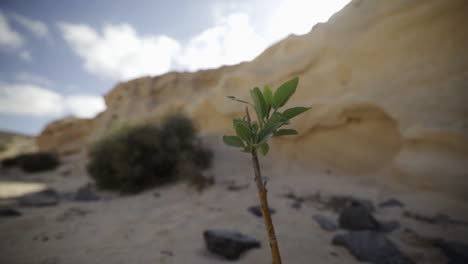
x: 168, y: 229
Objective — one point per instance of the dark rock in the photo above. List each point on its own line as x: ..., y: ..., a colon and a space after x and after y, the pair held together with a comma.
x: 229, y: 244
x: 167, y: 253
x: 234, y: 188
x: 296, y: 205
x: 456, y: 252
x: 37, y: 162
x: 86, y: 194
x: 419, y: 217
x: 258, y: 212
x: 48, y: 197
x: 388, y: 226
x: 391, y: 203
x: 437, y: 219
x: 9, y: 212
x: 356, y: 216
x: 156, y: 195
x: 371, y: 246
x: 325, y: 223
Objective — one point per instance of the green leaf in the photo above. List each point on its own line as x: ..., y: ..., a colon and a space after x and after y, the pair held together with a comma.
x: 247, y: 149
x: 285, y: 132
x: 292, y: 112
x: 255, y: 126
x: 264, y: 148
x: 284, y: 92
x: 276, y: 121
x: 233, y: 141
x: 268, y: 94
x: 237, y: 99
x: 243, y: 131
x: 261, y: 106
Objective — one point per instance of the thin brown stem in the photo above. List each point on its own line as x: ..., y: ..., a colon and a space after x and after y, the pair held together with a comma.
x: 262, y: 195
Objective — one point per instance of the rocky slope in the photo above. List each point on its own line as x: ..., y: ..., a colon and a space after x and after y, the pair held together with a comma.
x: 387, y: 82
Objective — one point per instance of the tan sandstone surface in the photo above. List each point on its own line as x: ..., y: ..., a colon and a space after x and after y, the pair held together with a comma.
x: 386, y: 80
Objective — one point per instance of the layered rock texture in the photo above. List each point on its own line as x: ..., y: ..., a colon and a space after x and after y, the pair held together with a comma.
x: 387, y: 82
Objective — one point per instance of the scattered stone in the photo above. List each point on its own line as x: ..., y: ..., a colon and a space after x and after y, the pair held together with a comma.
x: 258, y: 212
x: 296, y: 205
x: 391, y: 203
x: 48, y: 197
x: 419, y: 217
x: 371, y: 246
x: 437, y: 219
x: 167, y: 253
x: 86, y: 194
x: 388, y: 226
x: 9, y: 212
x: 234, y: 188
x: 325, y: 223
x: 356, y: 216
x: 456, y: 252
x: 229, y: 244
x: 45, y: 238
x: 445, y: 219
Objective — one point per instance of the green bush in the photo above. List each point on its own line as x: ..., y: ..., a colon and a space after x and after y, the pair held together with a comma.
x: 131, y: 159
x: 3, y: 147
x: 33, y: 162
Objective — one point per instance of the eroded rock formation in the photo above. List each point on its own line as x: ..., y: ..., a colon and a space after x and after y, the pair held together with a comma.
x: 387, y: 82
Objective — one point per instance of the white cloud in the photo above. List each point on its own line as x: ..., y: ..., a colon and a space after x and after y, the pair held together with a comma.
x: 231, y: 41
x: 84, y: 105
x: 119, y: 52
x: 30, y: 99
x: 38, y: 28
x: 299, y: 16
x: 25, y: 55
x: 9, y: 39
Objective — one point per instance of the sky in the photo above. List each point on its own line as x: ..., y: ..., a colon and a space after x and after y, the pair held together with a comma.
x: 58, y: 58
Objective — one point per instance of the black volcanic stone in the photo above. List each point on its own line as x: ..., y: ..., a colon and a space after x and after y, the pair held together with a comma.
x: 325, y: 223
x: 356, y: 216
x: 258, y: 212
x: 9, y: 212
x: 228, y: 243
x: 456, y: 252
x: 48, y: 197
x: 371, y: 246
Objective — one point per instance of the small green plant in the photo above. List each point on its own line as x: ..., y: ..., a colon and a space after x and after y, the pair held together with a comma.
x: 252, y: 137
x: 132, y: 158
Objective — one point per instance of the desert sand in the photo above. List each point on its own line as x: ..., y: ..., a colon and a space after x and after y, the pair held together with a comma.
x: 167, y: 228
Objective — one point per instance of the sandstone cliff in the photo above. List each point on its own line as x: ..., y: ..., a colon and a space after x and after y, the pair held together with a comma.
x: 387, y: 81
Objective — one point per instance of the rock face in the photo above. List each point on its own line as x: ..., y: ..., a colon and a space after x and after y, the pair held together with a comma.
x: 67, y: 136
x: 386, y: 81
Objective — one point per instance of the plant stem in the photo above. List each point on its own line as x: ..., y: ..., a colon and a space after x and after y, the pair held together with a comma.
x: 262, y: 195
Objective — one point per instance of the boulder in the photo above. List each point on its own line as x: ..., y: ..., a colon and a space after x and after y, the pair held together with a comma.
x: 456, y: 252
x: 325, y: 223
x: 48, y: 197
x: 9, y: 212
x: 229, y: 244
x: 356, y: 216
x: 371, y: 246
